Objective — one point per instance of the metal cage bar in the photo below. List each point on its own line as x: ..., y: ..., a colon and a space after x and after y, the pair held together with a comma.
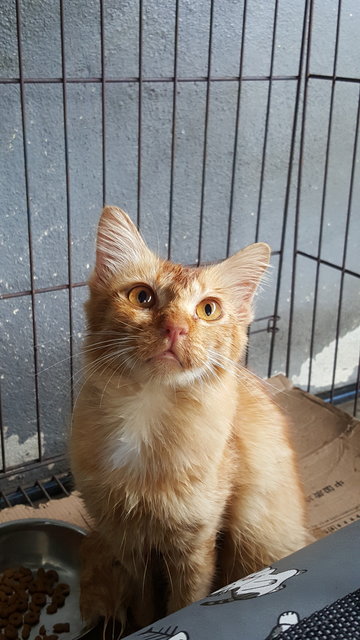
x: 357, y: 388
x: 237, y: 126
x: 289, y: 178
x: 140, y: 78
x: 173, y: 131
x: 29, y: 225
x: 140, y: 92
x: 2, y: 435
x: 68, y: 203
x: 103, y: 98
x: 322, y: 213
x: 206, y: 125
x: 267, y: 118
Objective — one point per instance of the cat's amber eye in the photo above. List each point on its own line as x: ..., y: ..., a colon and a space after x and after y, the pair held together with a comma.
x: 142, y: 297
x: 208, y: 309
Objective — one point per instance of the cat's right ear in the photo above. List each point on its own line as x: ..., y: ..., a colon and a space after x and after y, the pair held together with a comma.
x: 118, y: 243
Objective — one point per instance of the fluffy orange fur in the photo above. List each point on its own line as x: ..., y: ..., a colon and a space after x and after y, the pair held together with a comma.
x: 173, y: 442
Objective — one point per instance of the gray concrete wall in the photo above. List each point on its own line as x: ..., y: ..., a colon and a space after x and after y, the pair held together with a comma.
x: 44, y: 117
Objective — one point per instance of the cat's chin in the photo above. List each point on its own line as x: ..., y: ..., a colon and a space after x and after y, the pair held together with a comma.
x: 172, y: 374
x: 167, y: 357
x: 167, y: 368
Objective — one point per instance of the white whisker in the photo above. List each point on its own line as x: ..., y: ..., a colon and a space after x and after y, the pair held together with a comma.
x: 85, y: 350
x: 93, y: 368
x: 123, y: 363
x: 248, y: 379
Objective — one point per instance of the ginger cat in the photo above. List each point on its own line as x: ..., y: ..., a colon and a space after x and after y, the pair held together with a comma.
x: 173, y: 442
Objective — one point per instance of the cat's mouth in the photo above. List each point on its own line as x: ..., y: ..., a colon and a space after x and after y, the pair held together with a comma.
x: 167, y: 356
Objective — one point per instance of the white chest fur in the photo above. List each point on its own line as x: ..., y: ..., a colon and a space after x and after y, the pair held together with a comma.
x: 137, y: 421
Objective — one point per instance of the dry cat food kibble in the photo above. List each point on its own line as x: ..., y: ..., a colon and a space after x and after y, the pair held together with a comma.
x: 10, y: 632
x: 23, y: 594
x: 25, y: 631
x: 61, y: 627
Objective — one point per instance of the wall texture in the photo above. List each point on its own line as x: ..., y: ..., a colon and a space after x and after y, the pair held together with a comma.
x: 244, y: 137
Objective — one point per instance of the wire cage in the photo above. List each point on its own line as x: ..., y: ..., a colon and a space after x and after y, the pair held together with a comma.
x: 214, y: 124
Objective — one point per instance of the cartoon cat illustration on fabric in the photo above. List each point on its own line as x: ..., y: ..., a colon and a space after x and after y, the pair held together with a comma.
x: 286, y: 620
x: 255, y: 585
x: 170, y: 633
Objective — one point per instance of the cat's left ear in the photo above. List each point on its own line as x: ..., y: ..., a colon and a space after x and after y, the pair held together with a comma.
x: 242, y: 274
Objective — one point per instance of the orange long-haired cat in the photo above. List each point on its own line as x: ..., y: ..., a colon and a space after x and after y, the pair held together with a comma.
x: 173, y: 443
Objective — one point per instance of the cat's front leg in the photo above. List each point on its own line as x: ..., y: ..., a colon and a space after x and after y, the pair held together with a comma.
x: 143, y: 604
x: 261, y: 529
x: 191, y: 574
x: 105, y: 585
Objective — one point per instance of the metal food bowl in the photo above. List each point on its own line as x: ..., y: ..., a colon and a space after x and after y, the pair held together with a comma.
x: 50, y: 544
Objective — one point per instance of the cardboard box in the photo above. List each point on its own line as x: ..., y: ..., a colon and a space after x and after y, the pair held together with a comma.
x: 327, y: 441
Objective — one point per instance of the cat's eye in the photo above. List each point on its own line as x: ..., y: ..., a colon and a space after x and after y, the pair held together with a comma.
x: 142, y: 297
x: 208, y: 309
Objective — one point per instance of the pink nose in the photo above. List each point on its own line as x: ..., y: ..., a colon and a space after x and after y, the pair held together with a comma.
x: 174, y: 330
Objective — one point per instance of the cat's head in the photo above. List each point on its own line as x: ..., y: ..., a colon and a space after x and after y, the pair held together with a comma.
x: 151, y: 318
